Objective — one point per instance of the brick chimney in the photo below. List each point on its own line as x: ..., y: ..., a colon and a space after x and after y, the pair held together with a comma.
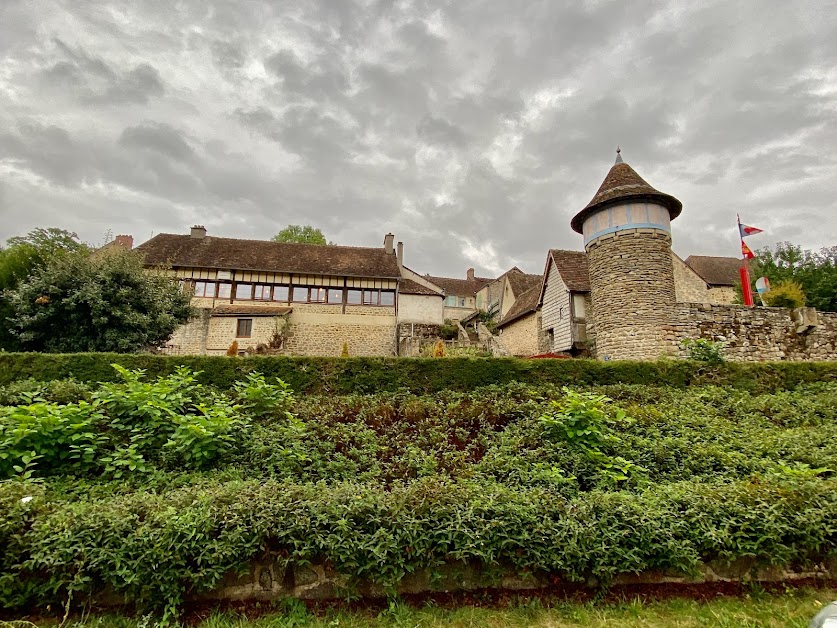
x: 124, y: 241
x: 470, y: 274
x: 399, y: 254
x: 198, y: 232
x: 389, y: 240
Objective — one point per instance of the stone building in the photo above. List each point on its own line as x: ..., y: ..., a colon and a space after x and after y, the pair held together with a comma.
x: 498, y: 297
x: 720, y: 274
x: 297, y: 298
x: 460, y: 294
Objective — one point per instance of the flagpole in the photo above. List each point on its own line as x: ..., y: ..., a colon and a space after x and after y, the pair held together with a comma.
x: 746, y: 287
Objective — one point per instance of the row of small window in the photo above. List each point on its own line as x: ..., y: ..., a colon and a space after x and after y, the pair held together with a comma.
x: 297, y: 294
x: 454, y: 301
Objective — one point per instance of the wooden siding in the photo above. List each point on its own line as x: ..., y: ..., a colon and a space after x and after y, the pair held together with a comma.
x: 556, y: 310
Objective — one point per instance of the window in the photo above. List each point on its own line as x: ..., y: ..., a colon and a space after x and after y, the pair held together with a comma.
x: 335, y: 295
x: 318, y: 295
x: 244, y: 291
x: 224, y: 290
x: 300, y: 295
x: 261, y: 292
x: 450, y: 300
x: 204, y: 288
x: 280, y: 293
x: 461, y: 301
x: 353, y: 297
x: 387, y: 297
x: 370, y: 297
x: 244, y: 329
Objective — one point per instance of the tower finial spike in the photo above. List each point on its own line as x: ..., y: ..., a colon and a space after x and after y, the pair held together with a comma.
x: 618, y: 155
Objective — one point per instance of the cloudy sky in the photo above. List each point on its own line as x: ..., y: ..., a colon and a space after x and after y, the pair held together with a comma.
x: 472, y: 130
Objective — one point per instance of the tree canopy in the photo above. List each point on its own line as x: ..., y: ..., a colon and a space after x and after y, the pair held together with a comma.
x: 814, y: 272
x: 22, y: 257
x: 79, y: 303
x: 301, y: 235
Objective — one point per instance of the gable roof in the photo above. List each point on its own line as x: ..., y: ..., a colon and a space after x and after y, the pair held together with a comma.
x: 525, y: 304
x: 623, y: 183
x: 264, y: 255
x: 520, y: 282
x: 716, y: 271
x: 460, y: 287
x: 408, y: 286
x: 572, y: 266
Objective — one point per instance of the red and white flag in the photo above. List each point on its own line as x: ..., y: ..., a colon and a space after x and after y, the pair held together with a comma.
x: 746, y: 230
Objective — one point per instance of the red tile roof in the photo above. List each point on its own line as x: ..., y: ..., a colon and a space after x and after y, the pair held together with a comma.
x: 716, y: 271
x: 623, y: 183
x: 264, y: 255
x: 572, y: 266
x: 408, y: 286
x: 460, y: 287
x: 520, y: 282
x: 525, y: 304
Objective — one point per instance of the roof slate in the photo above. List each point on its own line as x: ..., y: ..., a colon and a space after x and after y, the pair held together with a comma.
x: 264, y: 255
x: 460, y: 287
x: 525, y: 304
x: 623, y: 183
x: 572, y: 266
x: 716, y: 271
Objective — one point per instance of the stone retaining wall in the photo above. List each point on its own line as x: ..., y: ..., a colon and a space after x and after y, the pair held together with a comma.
x: 755, y: 334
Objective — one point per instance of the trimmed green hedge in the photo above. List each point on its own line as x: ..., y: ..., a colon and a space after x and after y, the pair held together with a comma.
x: 419, y: 375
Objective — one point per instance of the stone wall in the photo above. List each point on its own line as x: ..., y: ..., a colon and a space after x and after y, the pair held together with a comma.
x: 688, y: 286
x: 268, y: 580
x: 632, y: 281
x: 722, y: 295
x: 755, y: 334
x: 522, y: 337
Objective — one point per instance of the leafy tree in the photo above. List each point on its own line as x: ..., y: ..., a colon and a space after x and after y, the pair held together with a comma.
x: 80, y: 302
x: 301, y: 235
x: 814, y: 272
x: 23, y: 256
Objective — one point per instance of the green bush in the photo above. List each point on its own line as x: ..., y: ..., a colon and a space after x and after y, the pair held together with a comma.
x: 370, y: 375
x: 704, y: 350
x: 785, y: 294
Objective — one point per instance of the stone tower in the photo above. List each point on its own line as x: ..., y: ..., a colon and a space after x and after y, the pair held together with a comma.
x: 627, y: 236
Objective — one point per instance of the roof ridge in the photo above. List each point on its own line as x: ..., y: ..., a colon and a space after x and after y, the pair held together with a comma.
x: 208, y: 237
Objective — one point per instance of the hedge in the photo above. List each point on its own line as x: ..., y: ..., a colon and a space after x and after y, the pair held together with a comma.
x: 157, y: 548
x: 418, y: 375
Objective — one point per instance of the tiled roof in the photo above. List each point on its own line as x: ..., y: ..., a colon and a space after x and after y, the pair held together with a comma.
x: 408, y: 286
x: 622, y: 183
x: 249, y: 310
x: 525, y: 304
x: 460, y: 287
x: 716, y: 271
x: 572, y: 265
x: 520, y: 282
x: 264, y: 255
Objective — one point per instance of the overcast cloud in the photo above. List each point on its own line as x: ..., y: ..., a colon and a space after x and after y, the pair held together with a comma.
x: 472, y: 130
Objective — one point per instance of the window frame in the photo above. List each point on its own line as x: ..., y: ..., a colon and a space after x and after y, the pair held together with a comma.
x: 248, y: 324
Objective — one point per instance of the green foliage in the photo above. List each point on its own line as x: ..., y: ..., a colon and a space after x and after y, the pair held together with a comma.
x: 703, y: 350
x: 449, y: 331
x: 22, y: 257
x: 105, y: 303
x: 539, y: 479
x: 814, y: 272
x: 365, y: 375
x: 785, y: 294
x: 301, y: 235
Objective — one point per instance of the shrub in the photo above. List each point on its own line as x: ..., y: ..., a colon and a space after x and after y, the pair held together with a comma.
x: 345, y: 352
x: 232, y: 350
x: 703, y: 350
x: 785, y: 294
x: 439, y: 349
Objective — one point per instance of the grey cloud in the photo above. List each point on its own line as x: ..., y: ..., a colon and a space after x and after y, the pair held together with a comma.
x: 446, y: 123
x: 160, y: 137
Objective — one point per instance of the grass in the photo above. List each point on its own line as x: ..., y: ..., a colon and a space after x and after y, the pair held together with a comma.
x: 794, y: 608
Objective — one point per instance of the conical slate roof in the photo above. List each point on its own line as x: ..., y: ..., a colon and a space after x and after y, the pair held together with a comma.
x: 620, y: 184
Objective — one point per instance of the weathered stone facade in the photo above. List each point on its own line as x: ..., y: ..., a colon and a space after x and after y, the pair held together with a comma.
x: 632, y: 282
x: 523, y: 337
x: 755, y: 334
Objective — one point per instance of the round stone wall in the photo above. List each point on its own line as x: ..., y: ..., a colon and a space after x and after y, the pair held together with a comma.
x: 632, y: 286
